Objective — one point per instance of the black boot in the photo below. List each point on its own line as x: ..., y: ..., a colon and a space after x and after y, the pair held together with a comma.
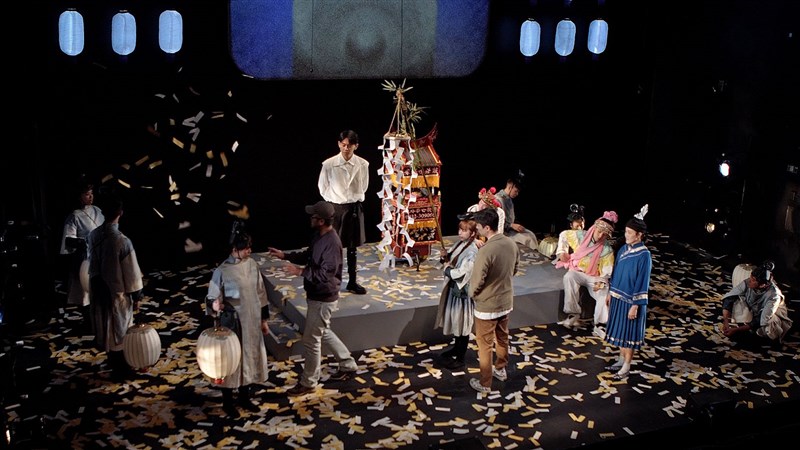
x: 245, y: 393
x: 86, y: 327
x: 120, y: 370
x: 460, y: 347
x: 352, y: 285
x: 448, y: 354
x: 227, y: 403
x: 456, y: 360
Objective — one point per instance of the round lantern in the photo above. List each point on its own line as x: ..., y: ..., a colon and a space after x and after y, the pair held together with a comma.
x: 741, y: 313
x: 548, y: 245
x: 741, y: 273
x: 141, y: 346
x: 83, y: 275
x: 218, y: 353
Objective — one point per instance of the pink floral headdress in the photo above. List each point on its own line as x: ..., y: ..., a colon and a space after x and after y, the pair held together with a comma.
x: 487, y: 196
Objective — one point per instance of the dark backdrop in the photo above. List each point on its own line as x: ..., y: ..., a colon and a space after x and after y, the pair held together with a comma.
x: 680, y: 84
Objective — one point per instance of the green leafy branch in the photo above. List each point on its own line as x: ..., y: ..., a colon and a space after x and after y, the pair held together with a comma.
x: 406, y: 113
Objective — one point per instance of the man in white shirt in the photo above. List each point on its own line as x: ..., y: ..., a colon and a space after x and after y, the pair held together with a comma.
x: 343, y: 181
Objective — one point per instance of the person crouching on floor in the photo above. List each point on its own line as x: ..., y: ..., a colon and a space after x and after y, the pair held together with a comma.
x: 766, y: 302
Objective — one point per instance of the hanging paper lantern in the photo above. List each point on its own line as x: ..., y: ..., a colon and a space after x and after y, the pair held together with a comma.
x: 598, y: 36
x: 123, y: 33
x: 529, y: 35
x: 170, y: 31
x: 565, y: 37
x: 218, y: 353
x: 70, y: 32
x: 548, y: 245
x: 141, y: 346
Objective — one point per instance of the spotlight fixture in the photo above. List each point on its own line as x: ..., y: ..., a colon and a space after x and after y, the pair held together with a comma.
x: 725, y: 168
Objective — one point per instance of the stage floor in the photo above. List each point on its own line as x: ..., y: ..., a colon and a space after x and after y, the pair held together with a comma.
x: 690, y: 387
x: 401, y: 302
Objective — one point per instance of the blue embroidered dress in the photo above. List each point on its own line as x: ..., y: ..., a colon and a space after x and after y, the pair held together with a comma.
x: 630, y: 282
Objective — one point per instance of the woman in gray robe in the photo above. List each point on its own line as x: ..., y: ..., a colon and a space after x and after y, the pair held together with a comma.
x: 237, y: 291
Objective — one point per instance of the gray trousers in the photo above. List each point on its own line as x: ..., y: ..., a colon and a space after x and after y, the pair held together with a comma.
x: 318, y: 333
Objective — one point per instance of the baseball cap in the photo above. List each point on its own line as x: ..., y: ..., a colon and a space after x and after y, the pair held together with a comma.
x: 321, y: 209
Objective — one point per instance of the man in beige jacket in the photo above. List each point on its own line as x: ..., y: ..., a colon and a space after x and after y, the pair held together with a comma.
x: 493, y: 292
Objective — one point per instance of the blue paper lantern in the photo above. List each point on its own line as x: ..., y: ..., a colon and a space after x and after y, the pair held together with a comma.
x: 170, y: 31
x: 598, y: 36
x: 70, y: 32
x: 123, y: 33
x: 565, y: 37
x: 529, y: 36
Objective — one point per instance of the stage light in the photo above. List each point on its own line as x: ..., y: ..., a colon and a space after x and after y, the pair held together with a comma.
x: 598, y: 36
x: 565, y: 37
x: 170, y: 31
x: 725, y: 168
x: 123, y: 33
x: 70, y: 32
x: 529, y: 36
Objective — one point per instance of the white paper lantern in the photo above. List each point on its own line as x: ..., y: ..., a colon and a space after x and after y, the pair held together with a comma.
x: 141, y: 346
x: 598, y: 36
x: 218, y: 353
x: 70, y: 32
x: 741, y: 313
x: 529, y: 36
x: 565, y: 37
x: 83, y: 276
x: 547, y: 246
x: 741, y: 273
x: 123, y: 33
x: 170, y: 31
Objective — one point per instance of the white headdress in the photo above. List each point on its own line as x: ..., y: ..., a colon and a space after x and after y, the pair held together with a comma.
x: 641, y: 213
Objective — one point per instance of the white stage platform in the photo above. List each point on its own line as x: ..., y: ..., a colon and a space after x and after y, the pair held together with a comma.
x: 400, y: 304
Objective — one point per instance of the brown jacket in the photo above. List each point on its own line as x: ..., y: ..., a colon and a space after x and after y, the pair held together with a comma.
x: 491, y: 284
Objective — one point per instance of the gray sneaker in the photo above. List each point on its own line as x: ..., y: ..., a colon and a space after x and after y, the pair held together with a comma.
x: 476, y: 384
x: 500, y: 374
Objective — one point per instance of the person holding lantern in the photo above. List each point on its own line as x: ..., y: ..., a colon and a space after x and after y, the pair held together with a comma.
x: 237, y: 295
x: 455, y: 314
x: 116, y: 285
x: 77, y: 226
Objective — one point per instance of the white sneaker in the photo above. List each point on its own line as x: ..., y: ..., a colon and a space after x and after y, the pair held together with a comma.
x: 500, y: 374
x: 599, y: 332
x: 476, y: 384
x: 570, y: 321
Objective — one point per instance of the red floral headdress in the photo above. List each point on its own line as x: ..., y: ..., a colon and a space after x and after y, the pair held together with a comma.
x: 487, y: 196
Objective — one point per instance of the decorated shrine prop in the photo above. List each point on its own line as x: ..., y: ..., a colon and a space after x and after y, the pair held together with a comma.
x: 411, y: 201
